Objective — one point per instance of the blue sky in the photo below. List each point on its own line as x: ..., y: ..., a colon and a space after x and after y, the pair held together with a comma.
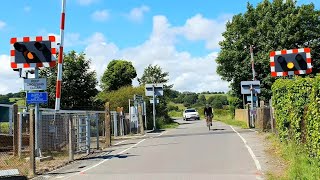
x: 105, y: 29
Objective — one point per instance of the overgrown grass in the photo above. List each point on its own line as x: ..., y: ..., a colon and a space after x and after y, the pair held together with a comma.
x: 169, y: 126
x: 300, y: 165
x: 226, y: 117
x: 19, y: 101
x: 175, y: 113
x: 180, y: 106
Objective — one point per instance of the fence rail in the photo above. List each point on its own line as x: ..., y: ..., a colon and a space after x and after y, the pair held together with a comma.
x: 62, y: 136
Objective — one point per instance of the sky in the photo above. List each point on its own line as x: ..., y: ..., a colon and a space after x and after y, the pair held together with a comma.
x: 180, y: 36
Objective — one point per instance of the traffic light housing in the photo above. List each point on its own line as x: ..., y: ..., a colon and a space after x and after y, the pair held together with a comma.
x: 290, y: 62
x: 37, y: 52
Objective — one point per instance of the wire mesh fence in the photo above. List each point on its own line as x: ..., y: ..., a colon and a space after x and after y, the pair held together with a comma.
x: 10, y: 156
x: 60, y: 137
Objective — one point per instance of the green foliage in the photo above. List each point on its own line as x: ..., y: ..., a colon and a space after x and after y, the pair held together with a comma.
x: 4, y: 126
x: 296, y: 104
x: 153, y: 74
x: 300, y: 164
x: 119, y: 73
x: 162, y: 123
x: 11, y: 98
x: 120, y: 97
x: 202, y: 100
x: 226, y: 117
x: 269, y: 26
x: 233, y: 103
x: 78, y: 85
x: 4, y: 99
x: 173, y: 108
x: 218, y: 101
x: 190, y: 99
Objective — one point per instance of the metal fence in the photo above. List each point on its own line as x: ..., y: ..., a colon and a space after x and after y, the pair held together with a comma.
x: 60, y: 137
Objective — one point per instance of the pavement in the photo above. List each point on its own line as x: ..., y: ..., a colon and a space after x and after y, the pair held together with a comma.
x: 190, y: 151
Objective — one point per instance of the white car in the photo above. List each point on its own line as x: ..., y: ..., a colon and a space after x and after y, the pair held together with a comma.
x: 190, y: 114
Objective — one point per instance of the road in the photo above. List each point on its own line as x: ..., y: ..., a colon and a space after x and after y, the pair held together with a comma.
x: 189, y: 152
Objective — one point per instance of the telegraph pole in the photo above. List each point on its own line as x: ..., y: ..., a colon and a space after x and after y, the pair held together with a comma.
x: 253, y: 78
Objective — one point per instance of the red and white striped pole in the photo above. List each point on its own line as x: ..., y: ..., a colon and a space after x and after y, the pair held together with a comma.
x: 60, y: 58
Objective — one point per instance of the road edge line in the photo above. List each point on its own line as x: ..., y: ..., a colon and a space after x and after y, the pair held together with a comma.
x: 101, y: 162
x: 255, y: 159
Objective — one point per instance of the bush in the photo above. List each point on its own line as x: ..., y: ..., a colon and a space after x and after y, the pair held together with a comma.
x: 173, y: 108
x: 296, y: 104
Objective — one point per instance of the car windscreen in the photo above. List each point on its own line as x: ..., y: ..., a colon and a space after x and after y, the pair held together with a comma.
x: 190, y: 110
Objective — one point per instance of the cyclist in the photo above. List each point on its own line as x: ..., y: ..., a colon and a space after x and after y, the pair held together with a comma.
x: 208, y: 114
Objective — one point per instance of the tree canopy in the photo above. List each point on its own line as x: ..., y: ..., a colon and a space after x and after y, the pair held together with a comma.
x: 119, y: 73
x: 78, y: 85
x: 270, y: 26
x: 153, y: 74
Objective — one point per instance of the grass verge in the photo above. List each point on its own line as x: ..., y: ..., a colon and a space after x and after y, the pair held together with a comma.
x: 299, y: 164
x: 169, y: 126
x: 175, y: 113
x: 227, y: 118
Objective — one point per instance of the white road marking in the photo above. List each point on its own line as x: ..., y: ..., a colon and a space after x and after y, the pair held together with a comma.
x: 120, y: 142
x: 131, y: 147
x: 91, y: 167
x: 256, y: 161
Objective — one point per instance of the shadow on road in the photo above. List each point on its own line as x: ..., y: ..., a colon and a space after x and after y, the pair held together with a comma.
x: 155, y: 145
x: 211, y: 132
x: 120, y: 156
x: 13, y: 178
x: 184, y: 123
x: 156, y: 131
x: 69, y: 172
x: 218, y: 129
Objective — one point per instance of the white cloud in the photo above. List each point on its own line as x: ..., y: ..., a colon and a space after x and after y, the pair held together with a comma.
x: 86, y: 2
x: 136, y: 14
x: 200, y: 28
x: 10, y: 81
x: 100, y: 15
x: 27, y: 8
x: 186, y: 72
x: 2, y: 24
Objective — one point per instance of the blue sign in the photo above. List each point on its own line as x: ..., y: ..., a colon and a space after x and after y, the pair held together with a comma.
x: 37, y: 97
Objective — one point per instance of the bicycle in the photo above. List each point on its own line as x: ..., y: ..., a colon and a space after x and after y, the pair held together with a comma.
x: 209, y: 122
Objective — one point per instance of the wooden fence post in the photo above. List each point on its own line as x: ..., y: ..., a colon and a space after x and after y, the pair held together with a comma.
x: 107, y: 124
x: 140, y: 120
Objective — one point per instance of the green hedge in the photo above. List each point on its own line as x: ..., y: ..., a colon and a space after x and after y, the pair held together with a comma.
x: 297, y: 102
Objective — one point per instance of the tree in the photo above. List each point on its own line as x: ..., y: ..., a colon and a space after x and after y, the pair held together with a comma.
x: 120, y: 97
x: 4, y: 99
x: 153, y: 74
x: 218, y: 101
x: 202, y: 100
x: 78, y: 85
x: 119, y: 73
x: 190, y: 99
x: 270, y: 26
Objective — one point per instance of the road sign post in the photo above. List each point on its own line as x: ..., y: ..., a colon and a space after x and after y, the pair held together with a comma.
x: 154, y: 90
x: 251, y: 88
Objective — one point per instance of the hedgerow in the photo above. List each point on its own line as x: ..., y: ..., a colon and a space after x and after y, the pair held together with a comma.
x: 297, y: 102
